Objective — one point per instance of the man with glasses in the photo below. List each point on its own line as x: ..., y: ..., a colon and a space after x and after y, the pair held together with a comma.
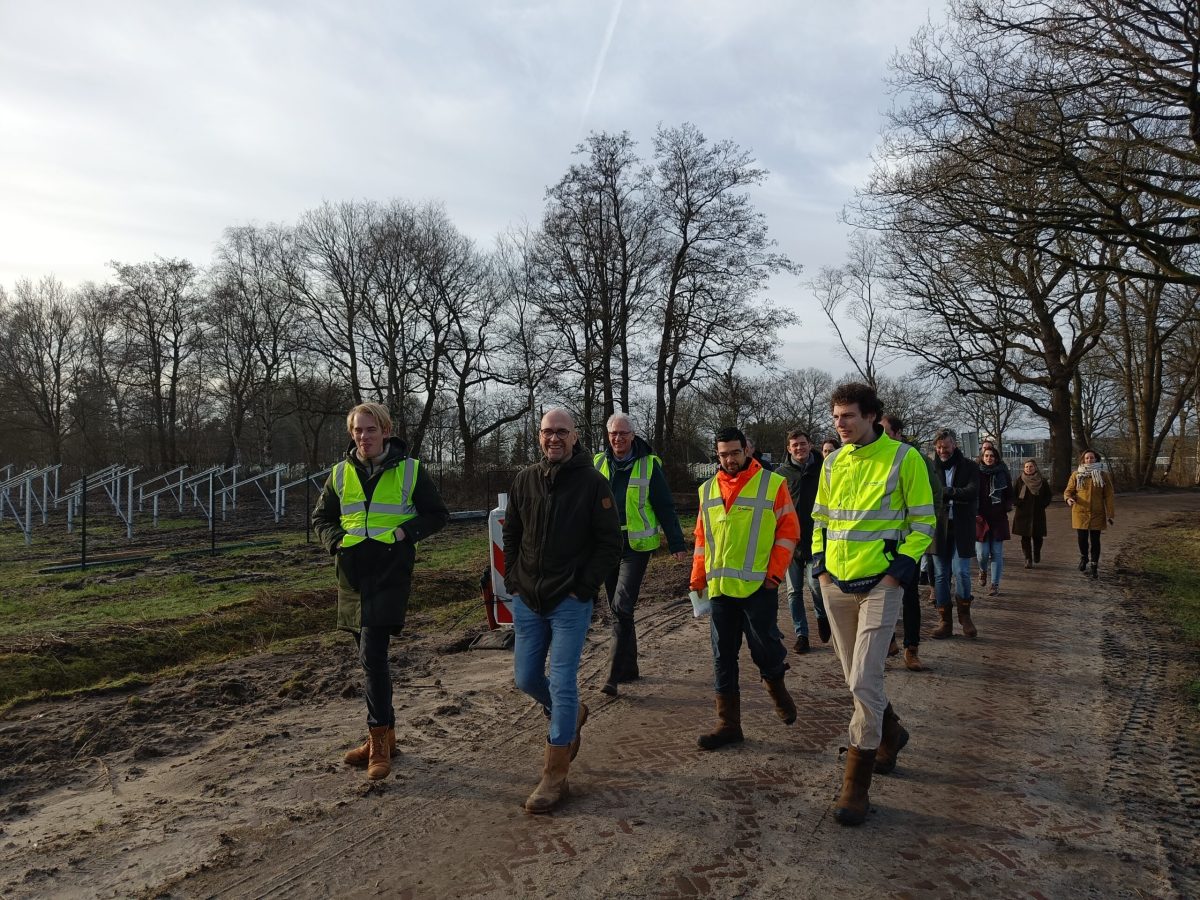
x: 562, y: 536
x: 644, y: 504
x: 746, y: 536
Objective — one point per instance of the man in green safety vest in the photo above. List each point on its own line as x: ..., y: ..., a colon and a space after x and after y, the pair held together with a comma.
x: 746, y: 534
x: 873, y: 518
x: 376, y: 505
x: 644, y: 504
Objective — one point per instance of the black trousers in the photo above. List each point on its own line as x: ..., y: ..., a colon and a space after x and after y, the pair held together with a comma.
x: 373, y: 654
x: 912, y: 612
x: 1031, y: 546
x: 1086, y: 537
x: 624, y: 584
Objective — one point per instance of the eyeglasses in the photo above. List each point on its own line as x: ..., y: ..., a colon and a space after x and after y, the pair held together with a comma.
x: 548, y: 433
x: 620, y: 433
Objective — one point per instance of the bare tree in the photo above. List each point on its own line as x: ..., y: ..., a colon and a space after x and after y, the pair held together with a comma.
x: 854, y: 299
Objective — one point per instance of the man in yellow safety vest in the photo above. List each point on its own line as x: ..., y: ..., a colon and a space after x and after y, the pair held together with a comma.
x: 376, y: 505
x: 644, y: 504
x: 746, y: 534
x: 873, y: 518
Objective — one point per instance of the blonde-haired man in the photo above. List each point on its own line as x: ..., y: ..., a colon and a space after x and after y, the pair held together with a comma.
x: 377, y: 504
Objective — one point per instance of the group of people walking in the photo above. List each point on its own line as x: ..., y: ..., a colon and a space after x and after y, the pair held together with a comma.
x: 855, y: 522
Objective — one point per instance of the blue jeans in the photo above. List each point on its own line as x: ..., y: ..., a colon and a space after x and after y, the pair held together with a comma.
x: 798, y: 575
x: 559, y: 635
x: 755, y: 616
x: 992, y: 550
x: 962, y: 572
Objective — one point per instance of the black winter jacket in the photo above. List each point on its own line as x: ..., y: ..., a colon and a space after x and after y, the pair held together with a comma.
x: 961, y: 496
x: 803, y: 479
x: 562, y: 535
x: 374, y: 578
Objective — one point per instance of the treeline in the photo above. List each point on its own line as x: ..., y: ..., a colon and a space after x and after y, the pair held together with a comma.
x: 643, y: 284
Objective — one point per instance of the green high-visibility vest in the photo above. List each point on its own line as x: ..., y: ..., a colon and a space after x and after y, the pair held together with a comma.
x: 738, y: 541
x: 390, y: 505
x: 641, y: 525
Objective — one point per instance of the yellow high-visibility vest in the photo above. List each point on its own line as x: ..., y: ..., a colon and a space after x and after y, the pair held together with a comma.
x: 874, y: 501
x: 390, y: 506
x: 738, y: 542
x: 641, y: 525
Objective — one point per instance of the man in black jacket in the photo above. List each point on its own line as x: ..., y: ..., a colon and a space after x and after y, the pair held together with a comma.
x: 562, y: 537
x: 802, y: 469
x: 376, y: 505
x: 955, y: 539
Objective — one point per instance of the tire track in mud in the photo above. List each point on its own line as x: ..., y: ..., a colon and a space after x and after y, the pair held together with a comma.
x: 1154, y: 750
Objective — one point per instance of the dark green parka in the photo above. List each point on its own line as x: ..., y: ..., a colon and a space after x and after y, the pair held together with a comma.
x: 374, y: 578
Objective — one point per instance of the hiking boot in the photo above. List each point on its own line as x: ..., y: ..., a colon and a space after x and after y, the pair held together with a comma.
x: 895, y: 736
x: 729, y: 724
x: 785, y: 706
x: 945, y: 628
x: 379, y: 754
x: 801, y: 645
x: 361, y: 755
x: 994, y: 590
x: 855, y: 800
x: 580, y: 719
x: 912, y: 662
x: 824, y: 630
x: 964, y: 617
x: 552, y: 789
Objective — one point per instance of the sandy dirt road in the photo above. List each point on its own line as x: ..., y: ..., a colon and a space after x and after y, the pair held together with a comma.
x: 1049, y: 758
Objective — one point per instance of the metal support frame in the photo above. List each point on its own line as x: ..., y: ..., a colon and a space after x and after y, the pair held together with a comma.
x: 27, y: 497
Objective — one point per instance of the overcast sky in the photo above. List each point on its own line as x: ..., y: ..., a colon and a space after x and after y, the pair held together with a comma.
x: 135, y: 129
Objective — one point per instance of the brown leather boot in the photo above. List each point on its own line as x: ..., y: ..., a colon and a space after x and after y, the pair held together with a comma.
x: 945, y: 628
x: 964, y: 617
x: 552, y: 789
x: 785, y: 706
x: 580, y: 719
x: 895, y: 736
x: 729, y: 724
x: 912, y: 662
x: 379, y: 754
x: 854, y: 802
x: 360, y: 755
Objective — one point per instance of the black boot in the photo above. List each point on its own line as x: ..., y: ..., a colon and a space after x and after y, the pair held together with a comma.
x: 1083, y: 564
x: 1095, y: 571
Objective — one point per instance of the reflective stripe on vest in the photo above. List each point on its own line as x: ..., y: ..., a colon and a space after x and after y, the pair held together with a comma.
x: 856, y: 519
x: 390, y: 505
x: 641, y: 525
x: 738, y: 541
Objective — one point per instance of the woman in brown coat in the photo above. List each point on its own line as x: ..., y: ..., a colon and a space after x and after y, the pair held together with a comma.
x: 1030, y: 499
x: 1089, y: 493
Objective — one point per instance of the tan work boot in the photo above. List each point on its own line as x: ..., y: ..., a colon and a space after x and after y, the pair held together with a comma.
x: 379, y: 754
x: 785, y: 706
x: 855, y: 800
x: 912, y: 662
x: 945, y: 628
x: 552, y: 789
x: 729, y: 724
x: 580, y: 719
x: 360, y: 755
x: 895, y: 736
x: 964, y: 618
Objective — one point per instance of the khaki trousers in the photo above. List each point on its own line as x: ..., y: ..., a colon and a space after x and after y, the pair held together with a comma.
x: 862, y: 627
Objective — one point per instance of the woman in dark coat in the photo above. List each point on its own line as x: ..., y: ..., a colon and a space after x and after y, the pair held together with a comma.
x: 995, y: 500
x: 1030, y: 499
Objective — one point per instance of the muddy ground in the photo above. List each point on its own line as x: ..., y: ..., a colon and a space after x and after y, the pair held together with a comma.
x: 1053, y: 756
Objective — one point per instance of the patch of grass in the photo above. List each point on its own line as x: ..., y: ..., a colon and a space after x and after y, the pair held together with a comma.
x: 121, y: 655
x: 1174, y: 560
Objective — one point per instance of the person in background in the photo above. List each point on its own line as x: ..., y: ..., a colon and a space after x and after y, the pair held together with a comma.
x: 644, y: 503
x: 376, y: 505
x: 955, y: 542
x: 893, y: 427
x: 995, y: 502
x: 1030, y: 499
x: 828, y: 446
x: 802, y: 469
x: 1089, y: 493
